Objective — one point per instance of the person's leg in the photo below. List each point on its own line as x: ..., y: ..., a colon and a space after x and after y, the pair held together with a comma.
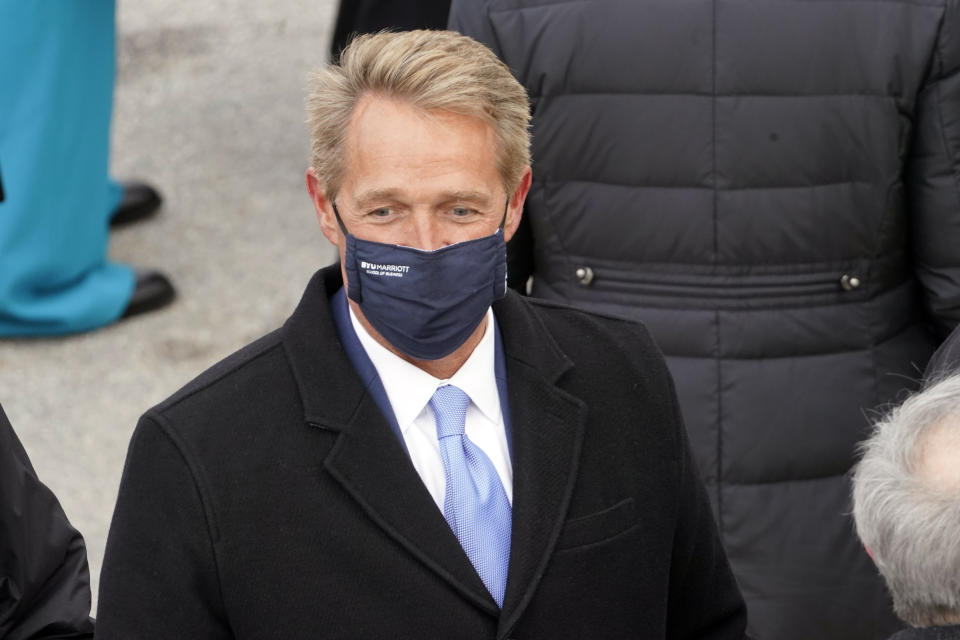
x: 57, y: 64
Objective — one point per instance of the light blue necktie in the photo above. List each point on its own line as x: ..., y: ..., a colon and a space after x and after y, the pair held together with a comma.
x: 476, y: 506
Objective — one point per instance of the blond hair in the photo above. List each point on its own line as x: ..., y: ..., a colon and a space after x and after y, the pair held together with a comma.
x: 431, y: 70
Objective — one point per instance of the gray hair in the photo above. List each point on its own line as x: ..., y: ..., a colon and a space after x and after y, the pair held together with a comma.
x: 911, y: 526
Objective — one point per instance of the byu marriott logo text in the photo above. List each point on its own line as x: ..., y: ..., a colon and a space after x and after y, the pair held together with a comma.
x: 391, y: 270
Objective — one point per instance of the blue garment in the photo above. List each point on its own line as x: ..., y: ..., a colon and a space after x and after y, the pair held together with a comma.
x: 57, y: 69
x: 475, y: 504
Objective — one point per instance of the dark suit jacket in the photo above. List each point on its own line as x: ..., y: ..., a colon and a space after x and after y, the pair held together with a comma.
x: 269, y: 498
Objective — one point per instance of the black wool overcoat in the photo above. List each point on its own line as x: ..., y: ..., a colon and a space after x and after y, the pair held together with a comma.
x: 269, y: 498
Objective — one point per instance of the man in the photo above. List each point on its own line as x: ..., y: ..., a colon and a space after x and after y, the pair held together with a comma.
x: 401, y: 460
x: 773, y: 190
x: 906, y: 493
x: 44, y: 580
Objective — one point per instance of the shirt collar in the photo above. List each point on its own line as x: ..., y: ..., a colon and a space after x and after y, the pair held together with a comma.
x: 410, y: 388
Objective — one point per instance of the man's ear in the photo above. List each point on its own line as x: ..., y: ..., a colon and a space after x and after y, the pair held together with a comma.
x: 515, y: 206
x: 323, y: 208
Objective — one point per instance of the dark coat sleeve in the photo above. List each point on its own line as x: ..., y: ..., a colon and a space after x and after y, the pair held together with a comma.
x: 933, y: 178
x: 705, y: 601
x: 44, y: 580
x: 159, y: 577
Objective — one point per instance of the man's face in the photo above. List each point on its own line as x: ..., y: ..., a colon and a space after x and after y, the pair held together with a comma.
x: 424, y: 180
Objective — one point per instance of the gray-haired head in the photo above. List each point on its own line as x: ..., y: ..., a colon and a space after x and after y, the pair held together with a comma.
x: 906, y: 495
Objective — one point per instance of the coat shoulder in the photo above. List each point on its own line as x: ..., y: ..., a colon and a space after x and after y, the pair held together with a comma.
x: 229, y: 381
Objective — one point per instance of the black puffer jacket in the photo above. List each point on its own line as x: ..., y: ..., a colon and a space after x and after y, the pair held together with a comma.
x: 44, y: 581
x: 945, y: 361
x: 773, y: 188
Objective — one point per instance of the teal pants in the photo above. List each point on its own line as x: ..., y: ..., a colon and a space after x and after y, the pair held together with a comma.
x: 57, y: 64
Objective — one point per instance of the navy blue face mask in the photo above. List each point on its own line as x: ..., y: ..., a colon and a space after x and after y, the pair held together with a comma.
x: 426, y: 303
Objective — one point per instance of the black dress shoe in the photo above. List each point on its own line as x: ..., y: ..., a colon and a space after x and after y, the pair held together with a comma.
x: 139, y: 201
x: 152, y: 291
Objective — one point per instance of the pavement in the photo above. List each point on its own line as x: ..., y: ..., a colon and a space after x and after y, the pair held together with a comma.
x: 209, y: 108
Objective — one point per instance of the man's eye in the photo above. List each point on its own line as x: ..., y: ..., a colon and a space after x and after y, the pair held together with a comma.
x: 461, y: 212
x: 382, y: 212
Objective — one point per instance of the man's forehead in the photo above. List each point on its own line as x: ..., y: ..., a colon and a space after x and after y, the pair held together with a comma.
x: 375, y: 114
x: 394, y: 150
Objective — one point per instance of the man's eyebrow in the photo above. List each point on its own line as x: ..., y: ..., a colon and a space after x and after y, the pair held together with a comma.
x: 365, y: 198
x: 474, y: 197
x: 376, y: 195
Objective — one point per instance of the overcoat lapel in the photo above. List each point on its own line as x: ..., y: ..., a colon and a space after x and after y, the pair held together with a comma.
x: 371, y: 465
x: 367, y: 460
x: 547, y: 429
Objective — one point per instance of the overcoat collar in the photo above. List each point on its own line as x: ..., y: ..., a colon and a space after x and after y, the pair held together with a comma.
x: 371, y: 465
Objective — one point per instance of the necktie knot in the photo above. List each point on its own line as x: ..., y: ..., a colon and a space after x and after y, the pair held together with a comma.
x: 449, y: 404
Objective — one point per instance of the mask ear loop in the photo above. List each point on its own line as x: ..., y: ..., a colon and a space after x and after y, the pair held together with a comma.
x: 344, y: 229
x: 353, y: 285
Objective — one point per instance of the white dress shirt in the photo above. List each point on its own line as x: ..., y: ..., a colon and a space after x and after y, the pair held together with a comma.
x: 409, y: 390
